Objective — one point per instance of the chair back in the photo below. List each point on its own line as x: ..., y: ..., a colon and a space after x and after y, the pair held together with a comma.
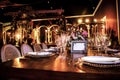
x: 44, y: 46
x: 9, y: 52
x: 37, y: 47
x: 25, y: 48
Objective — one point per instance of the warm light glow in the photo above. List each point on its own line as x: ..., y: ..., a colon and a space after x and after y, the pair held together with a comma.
x: 59, y: 64
x: 80, y: 21
x: 8, y: 33
x: 95, y: 20
x: 73, y: 29
x: 56, y: 30
x: 87, y: 20
x: 81, y: 71
x: 17, y: 63
x: 103, y: 26
x: 18, y: 36
x: 103, y: 29
x: 81, y: 29
x: 103, y: 19
x: 45, y: 30
x: 68, y: 29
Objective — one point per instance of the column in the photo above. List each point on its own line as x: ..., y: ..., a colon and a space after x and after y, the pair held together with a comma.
x: 88, y: 28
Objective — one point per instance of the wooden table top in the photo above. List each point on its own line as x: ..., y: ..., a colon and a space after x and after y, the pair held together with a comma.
x: 56, y: 67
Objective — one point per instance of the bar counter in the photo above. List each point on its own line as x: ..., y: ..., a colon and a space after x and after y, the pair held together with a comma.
x: 55, y: 67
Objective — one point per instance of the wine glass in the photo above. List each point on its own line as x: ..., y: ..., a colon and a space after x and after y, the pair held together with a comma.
x: 64, y: 41
x: 61, y: 42
x: 98, y: 42
x: 107, y: 43
x: 98, y: 45
x: 58, y: 42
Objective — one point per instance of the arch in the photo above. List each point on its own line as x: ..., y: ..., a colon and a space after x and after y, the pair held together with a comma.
x: 43, y: 33
x: 53, y: 30
x: 53, y: 25
x: 68, y: 26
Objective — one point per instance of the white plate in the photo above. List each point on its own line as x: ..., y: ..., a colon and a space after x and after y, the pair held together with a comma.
x: 101, y: 60
x: 39, y: 54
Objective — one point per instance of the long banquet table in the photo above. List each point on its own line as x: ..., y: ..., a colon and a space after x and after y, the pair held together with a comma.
x: 55, y: 67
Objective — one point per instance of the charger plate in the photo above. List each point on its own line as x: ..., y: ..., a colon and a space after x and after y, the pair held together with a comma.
x: 101, y: 61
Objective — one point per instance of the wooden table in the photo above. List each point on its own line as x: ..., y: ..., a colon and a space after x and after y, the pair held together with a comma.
x: 54, y: 68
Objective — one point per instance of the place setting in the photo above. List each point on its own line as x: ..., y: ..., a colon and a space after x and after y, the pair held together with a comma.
x: 99, y: 61
x: 40, y: 54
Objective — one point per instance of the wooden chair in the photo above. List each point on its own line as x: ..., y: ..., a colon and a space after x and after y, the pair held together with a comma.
x: 9, y: 52
x: 25, y: 48
x: 37, y: 47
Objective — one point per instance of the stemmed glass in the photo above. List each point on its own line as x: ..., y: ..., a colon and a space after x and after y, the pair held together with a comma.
x: 98, y: 45
x: 58, y: 42
x: 107, y: 42
x: 61, y: 42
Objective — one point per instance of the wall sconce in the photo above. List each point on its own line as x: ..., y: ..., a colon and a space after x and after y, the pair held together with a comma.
x: 87, y: 20
x: 95, y: 20
x: 80, y: 21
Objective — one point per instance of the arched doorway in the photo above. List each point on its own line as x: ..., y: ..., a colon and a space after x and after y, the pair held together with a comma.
x: 53, y: 30
x: 43, y: 33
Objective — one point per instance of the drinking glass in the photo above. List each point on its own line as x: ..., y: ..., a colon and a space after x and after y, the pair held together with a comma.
x: 58, y: 42
x: 64, y: 41
x: 98, y: 42
x: 61, y: 42
x: 106, y: 44
x: 98, y: 45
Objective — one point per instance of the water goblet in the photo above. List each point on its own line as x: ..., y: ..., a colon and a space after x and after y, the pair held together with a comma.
x: 106, y: 44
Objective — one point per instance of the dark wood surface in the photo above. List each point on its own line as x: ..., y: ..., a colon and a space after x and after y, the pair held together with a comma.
x: 54, y: 68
